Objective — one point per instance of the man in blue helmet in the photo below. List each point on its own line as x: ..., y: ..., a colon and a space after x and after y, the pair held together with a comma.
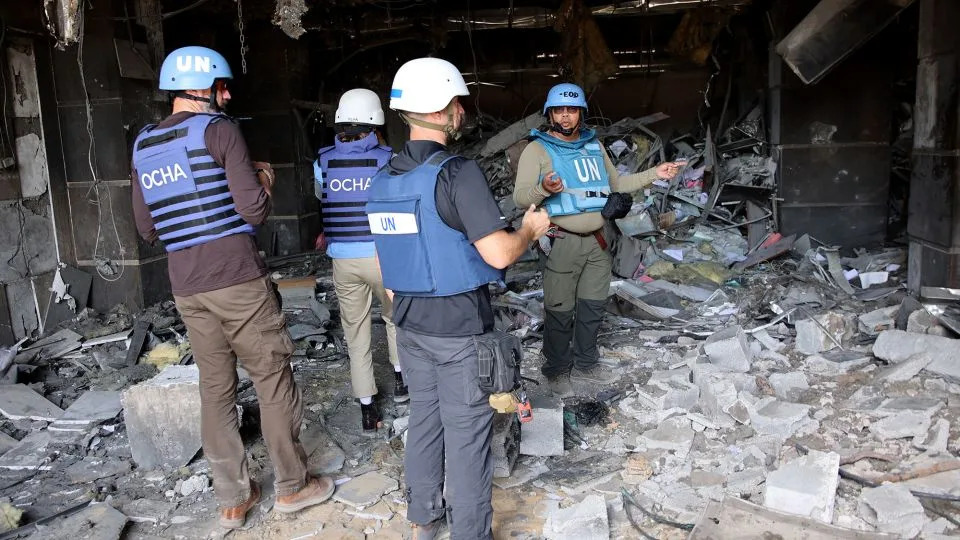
x: 195, y: 190
x: 440, y: 240
x: 343, y: 172
x: 566, y: 170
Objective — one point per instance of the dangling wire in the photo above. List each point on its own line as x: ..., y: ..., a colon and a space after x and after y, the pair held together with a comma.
x: 96, y: 200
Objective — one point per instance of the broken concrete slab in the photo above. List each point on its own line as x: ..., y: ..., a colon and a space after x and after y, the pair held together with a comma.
x: 380, y: 511
x: 806, y: 486
x: 893, y: 509
x: 521, y: 475
x: 543, y: 436
x: 365, y: 490
x: 788, y: 386
x: 768, y: 341
x: 31, y: 453
x: 878, y: 320
x: 936, y: 438
x: 20, y: 402
x: 811, y: 337
x: 90, y: 469
x: 896, y: 405
x: 902, y: 425
x: 6, y: 443
x: 923, y: 322
x: 779, y: 418
x: 586, y: 520
x: 906, y: 370
x: 148, y: 510
x: 92, y: 407
x: 673, y: 434
x: 729, y: 349
x: 99, y: 521
x: 898, y: 346
x: 737, y: 519
x: 716, y: 397
x: 668, y: 394
x: 162, y: 418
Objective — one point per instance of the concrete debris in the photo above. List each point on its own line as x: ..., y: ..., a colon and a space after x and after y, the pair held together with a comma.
x: 19, y: 402
x: 898, y: 346
x: 504, y: 444
x: 893, y: 509
x: 922, y: 321
x: 821, y: 333
x: 789, y: 386
x: 543, y: 436
x: 195, y: 484
x: 878, y: 320
x: 780, y: 418
x: 32, y: 453
x: 91, y: 469
x: 92, y: 407
x: 906, y: 370
x: 902, y: 425
x: 669, y: 394
x: 674, y: 434
x: 806, y: 486
x: 365, y: 490
x: 95, y: 522
x: 6, y: 443
x: 148, y: 510
x: 586, y: 520
x: 162, y: 419
x: 936, y: 438
x: 380, y: 511
x: 729, y: 349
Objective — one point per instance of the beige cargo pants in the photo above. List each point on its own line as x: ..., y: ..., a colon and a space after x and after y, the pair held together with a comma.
x: 357, y: 281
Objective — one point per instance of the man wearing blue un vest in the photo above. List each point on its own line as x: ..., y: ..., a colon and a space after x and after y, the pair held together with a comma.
x: 195, y: 189
x: 440, y: 239
x: 343, y: 173
x: 565, y: 170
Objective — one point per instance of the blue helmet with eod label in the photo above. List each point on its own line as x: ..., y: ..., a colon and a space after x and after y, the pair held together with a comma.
x: 565, y: 95
x: 193, y: 68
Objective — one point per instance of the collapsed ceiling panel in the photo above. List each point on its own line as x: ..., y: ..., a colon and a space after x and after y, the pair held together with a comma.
x: 833, y: 30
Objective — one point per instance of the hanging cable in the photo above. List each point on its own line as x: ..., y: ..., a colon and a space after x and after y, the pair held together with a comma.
x: 97, y: 200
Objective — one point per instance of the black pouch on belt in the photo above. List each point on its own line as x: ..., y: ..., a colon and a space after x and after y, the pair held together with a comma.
x: 498, y: 360
x: 618, y: 205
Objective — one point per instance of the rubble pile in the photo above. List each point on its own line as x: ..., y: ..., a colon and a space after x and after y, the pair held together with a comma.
x: 766, y: 381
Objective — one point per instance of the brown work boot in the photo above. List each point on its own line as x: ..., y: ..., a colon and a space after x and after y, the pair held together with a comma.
x: 233, y: 517
x: 317, y: 490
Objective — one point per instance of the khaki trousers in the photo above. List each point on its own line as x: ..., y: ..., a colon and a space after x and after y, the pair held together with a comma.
x: 244, y: 322
x: 357, y: 281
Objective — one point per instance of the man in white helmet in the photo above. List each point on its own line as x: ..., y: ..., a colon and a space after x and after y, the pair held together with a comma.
x: 343, y: 172
x: 196, y: 191
x: 440, y: 240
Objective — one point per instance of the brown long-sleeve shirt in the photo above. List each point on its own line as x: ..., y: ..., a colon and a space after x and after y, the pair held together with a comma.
x: 535, y: 163
x: 229, y: 260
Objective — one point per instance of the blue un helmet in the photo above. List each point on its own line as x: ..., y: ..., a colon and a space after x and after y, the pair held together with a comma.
x: 565, y: 95
x: 193, y: 68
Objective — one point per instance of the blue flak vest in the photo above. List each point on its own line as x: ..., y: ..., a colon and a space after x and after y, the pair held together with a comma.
x: 185, y: 189
x: 586, y: 184
x: 420, y: 255
x: 347, y: 168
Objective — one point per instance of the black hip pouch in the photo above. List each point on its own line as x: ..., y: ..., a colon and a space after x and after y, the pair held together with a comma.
x: 498, y: 359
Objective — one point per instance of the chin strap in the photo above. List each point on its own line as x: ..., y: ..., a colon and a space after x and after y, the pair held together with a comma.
x: 447, y: 128
x: 211, y: 101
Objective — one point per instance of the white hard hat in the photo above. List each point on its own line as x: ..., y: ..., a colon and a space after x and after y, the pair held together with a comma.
x: 359, y: 106
x: 426, y: 85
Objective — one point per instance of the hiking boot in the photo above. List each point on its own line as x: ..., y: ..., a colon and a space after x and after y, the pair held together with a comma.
x: 370, y: 417
x: 560, y: 386
x: 400, y: 392
x: 435, y: 530
x: 597, y: 374
x: 317, y: 490
x: 233, y: 517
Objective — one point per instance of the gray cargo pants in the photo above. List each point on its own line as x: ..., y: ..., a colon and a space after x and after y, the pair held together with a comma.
x: 448, y: 414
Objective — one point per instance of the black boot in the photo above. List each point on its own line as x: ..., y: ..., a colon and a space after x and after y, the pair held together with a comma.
x: 400, y: 392
x: 370, y: 417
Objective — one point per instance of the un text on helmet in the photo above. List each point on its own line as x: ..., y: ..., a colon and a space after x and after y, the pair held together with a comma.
x: 193, y: 63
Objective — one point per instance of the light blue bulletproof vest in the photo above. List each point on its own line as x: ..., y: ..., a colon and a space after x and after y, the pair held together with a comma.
x: 420, y: 255
x: 579, y: 164
x: 347, y: 168
x: 185, y: 189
